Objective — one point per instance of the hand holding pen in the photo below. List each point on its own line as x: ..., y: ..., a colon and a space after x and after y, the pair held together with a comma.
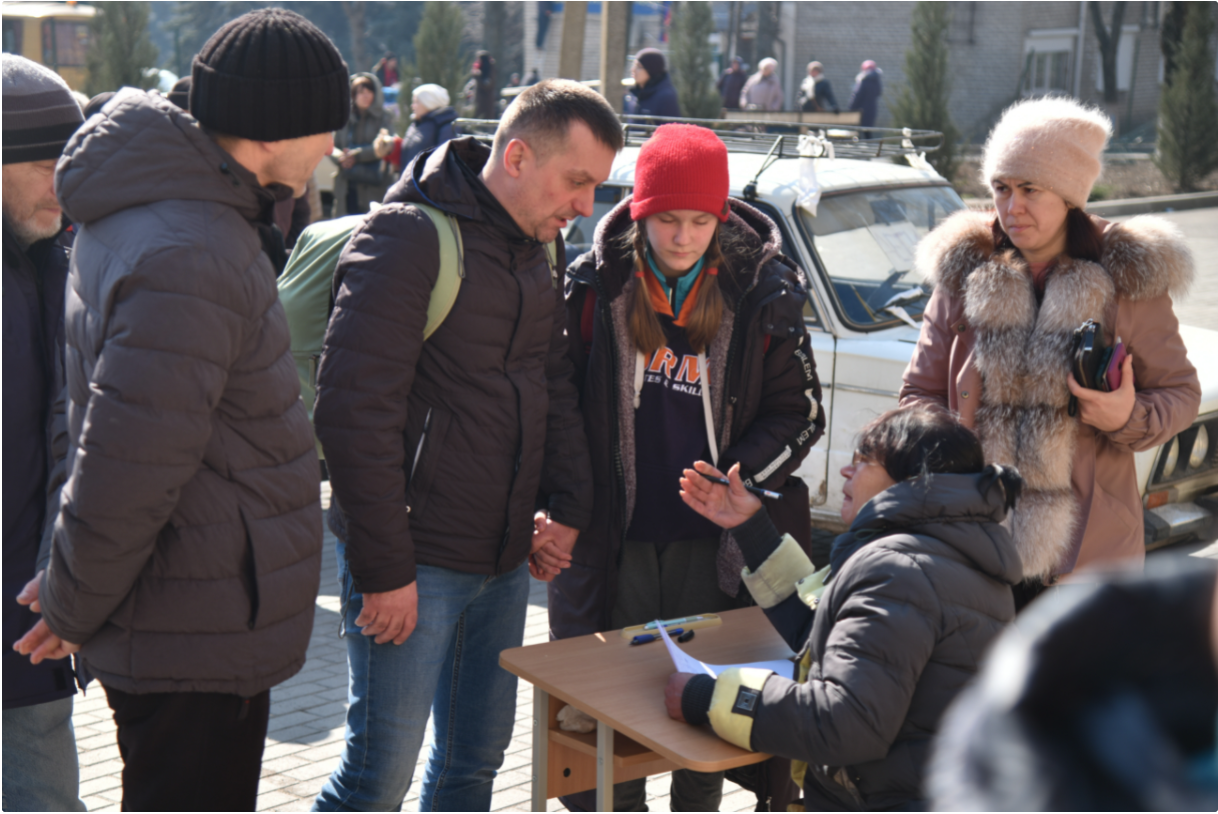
x: 702, y: 491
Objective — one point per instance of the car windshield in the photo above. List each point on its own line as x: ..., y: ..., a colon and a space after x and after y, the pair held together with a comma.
x: 866, y: 240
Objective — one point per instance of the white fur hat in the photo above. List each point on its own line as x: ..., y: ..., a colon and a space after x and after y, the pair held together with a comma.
x: 431, y: 96
x: 1053, y: 142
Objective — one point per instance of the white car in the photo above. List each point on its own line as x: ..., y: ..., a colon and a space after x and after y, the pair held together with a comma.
x: 865, y: 303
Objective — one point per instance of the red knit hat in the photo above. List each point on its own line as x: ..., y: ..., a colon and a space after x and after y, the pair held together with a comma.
x: 682, y: 166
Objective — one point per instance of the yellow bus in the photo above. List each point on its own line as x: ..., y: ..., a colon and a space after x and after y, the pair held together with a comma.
x: 55, y: 34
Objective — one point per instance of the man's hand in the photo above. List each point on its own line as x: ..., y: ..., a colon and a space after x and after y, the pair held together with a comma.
x: 552, y: 546
x: 1107, y: 412
x: 29, y: 594
x: 390, y: 616
x: 673, y: 693
x: 725, y: 506
x: 39, y: 642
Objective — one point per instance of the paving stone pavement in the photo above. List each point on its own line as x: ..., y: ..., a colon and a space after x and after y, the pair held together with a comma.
x: 305, y: 735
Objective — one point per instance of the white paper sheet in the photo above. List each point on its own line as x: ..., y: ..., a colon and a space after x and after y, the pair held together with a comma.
x: 686, y: 663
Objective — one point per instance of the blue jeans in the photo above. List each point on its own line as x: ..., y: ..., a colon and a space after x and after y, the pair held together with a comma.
x: 41, y: 772
x: 449, y: 667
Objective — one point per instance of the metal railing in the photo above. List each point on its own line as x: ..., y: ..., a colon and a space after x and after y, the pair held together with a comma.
x: 779, y: 140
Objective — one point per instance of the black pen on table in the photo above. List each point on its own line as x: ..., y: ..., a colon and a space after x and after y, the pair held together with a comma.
x: 756, y: 490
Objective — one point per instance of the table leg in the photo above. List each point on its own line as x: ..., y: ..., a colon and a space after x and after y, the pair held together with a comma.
x: 541, y: 747
x: 604, y: 766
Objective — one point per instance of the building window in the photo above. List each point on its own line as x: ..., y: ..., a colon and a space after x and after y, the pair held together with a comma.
x: 1124, y: 67
x: 1048, y: 61
x: 71, y: 43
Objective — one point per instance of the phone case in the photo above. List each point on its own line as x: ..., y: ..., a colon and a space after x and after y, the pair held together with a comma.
x: 1112, y: 377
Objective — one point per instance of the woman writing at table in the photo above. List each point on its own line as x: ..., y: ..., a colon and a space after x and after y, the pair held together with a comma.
x: 913, y: 594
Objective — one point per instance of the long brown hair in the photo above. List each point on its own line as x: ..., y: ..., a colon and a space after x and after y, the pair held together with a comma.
x: 1084, y: 240
x: 703, y: 323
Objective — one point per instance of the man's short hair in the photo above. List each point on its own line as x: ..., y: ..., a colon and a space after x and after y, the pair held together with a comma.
x: 541, y: 117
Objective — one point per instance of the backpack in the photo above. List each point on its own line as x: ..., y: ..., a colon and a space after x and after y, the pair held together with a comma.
x: 306, y: 288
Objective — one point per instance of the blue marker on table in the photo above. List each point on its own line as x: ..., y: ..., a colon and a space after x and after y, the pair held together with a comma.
x: 644, y: 638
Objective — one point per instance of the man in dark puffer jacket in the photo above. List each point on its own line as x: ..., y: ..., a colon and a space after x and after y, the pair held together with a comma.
x: 186, y: 554
x: 441, y: 451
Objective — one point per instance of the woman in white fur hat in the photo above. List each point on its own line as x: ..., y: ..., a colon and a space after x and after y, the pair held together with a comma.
x: 1010, y: 288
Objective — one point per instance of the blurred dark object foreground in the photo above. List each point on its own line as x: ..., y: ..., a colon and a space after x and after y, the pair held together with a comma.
x: 1101, y: 697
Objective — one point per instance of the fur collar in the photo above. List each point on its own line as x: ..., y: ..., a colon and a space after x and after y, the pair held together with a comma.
x: 1145, y: 256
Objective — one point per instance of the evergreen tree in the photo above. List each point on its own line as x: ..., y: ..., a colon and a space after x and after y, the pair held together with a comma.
x: 922, y: 102
x: 691, y: 60
x: 120, y: 49
x: 1188, y: 107
x: 440, y: 55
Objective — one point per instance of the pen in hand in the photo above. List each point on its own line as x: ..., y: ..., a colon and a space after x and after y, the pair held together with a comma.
x: 751, y: 489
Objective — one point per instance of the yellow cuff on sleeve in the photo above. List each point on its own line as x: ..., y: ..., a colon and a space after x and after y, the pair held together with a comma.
x: 811, y: 587
x: 775, y: 580
x: 737, y: 696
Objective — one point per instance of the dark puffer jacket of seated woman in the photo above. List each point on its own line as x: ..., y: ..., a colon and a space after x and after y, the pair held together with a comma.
x: 888, y: 633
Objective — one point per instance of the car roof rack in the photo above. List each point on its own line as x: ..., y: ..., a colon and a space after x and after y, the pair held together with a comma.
x: 776, y: 139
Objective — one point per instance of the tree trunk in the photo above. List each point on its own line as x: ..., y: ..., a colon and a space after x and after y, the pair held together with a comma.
x: 494, y: 21
x: 571, y: 55
x: 359, y: 30
x: 615, y: 21
x: 1109, y: 41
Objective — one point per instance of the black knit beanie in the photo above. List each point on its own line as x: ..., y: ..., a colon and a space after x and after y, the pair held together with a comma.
x: 653, y: 62
x: 40, y: 113
x: 180, y: 94
x: 270, y: 75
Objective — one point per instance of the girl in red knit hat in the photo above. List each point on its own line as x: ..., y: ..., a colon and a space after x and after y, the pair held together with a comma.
x: 686, y: 324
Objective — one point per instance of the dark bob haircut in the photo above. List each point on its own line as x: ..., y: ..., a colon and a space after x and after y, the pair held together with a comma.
x: 918, y: 441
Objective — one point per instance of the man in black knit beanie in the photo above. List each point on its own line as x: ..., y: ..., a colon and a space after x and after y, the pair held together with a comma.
x: 185, y: 556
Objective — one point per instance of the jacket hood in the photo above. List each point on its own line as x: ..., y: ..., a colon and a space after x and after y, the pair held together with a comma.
x: 141, y: 149
x: 1145, y: 256
x: 446, y: 177
x: 378, y: 101
x: 949, y: 508
x: 441, y: 115
x: 749, y: 240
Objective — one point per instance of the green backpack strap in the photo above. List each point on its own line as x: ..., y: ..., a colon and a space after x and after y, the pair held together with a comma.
x: 452, y: 268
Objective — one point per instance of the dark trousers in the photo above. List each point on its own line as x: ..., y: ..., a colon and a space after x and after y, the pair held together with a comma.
x: 190, y: 751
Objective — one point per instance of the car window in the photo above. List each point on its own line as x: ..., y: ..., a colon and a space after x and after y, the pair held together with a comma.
x: 866, y: 241
x: 811, y: 318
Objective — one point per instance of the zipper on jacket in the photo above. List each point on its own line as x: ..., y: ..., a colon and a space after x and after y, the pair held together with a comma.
x: 615, y: 424
x: 507, y: 529
x: 418, y: 451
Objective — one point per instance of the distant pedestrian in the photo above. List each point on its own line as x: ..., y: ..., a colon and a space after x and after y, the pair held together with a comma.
x: 185, y: 558
x: 815, y: 92
x: 432, y: 125
x: 865, y: 97
x: 731, y: 82
x: 653, y: 93
x: 763, y: 91
x: 386, y: 70
x: 40, y: 115
x: 533, y: 78
x: 514, y: 80
x: 486, y: 97
x: 361, y: 180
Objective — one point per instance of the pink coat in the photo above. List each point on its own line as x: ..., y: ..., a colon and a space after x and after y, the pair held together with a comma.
x: 999, y: 360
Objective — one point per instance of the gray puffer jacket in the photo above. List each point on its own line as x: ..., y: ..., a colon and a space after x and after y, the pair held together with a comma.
x: 186, y: 554
x: 920, y: 585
